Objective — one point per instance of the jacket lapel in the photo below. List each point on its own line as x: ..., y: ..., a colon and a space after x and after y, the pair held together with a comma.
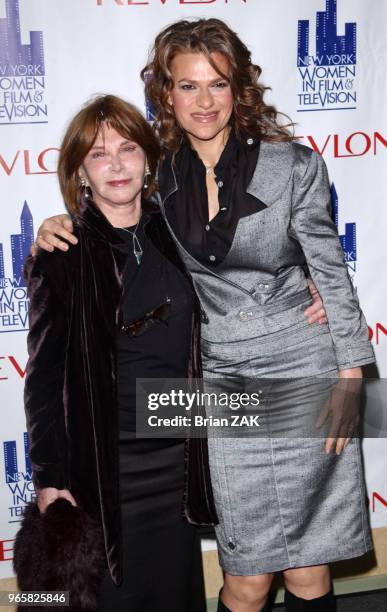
x: 269, y: 181
x: 273, y: 171
x: 98, y: 227
x: 166, y: 177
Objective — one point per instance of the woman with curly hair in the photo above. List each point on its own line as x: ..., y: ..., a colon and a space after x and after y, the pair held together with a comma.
x: 249, y: 209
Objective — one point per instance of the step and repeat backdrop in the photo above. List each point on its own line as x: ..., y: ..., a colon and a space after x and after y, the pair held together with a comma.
x: 326, y: 62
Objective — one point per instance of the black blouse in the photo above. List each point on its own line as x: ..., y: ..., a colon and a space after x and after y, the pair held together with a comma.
x: 162, y: 351
x: 187, y: 209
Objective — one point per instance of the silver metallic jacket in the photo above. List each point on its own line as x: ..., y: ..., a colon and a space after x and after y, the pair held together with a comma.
x: 256, y: 290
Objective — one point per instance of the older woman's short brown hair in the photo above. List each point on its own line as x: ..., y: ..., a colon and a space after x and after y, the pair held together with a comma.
x: 80, y: 136
x: 251, y: 115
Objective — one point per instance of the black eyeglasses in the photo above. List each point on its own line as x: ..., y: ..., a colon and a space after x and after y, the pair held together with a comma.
x: 160, y: 314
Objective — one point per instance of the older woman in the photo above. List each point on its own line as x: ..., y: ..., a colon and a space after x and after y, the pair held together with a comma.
x: 87, y: 345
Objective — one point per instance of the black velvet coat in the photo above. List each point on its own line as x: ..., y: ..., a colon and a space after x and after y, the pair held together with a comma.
x: 70, y: 389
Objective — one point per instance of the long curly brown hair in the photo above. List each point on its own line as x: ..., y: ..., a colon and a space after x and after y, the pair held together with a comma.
x: 251, y: 115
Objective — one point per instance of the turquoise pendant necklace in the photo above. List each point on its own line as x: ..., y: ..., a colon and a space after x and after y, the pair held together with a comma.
x: 137, y: 250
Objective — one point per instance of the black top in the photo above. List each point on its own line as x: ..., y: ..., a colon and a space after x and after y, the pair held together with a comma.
x: 187, y: 209
x: 162, y: 350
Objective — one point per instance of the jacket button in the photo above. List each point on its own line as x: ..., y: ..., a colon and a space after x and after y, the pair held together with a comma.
x: 212, y: 258
x: 245, y: 315
x: 231, y: 545
x: 261, y: 285
x: 249, y: 141
x: 220, y: 183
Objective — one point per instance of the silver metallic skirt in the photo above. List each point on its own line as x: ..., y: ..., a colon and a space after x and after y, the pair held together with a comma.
x: 282, y: 502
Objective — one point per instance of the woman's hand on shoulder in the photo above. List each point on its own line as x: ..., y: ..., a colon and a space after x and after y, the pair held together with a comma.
x: 47, y: 495
x: 50, y: 233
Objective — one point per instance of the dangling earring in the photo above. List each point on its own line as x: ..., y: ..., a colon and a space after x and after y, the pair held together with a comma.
x: 147, y: 173
x: 85, y: 189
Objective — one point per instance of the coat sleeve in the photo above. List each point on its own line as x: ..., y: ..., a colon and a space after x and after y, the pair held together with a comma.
x: 312, y: 225
x: 43, y: 391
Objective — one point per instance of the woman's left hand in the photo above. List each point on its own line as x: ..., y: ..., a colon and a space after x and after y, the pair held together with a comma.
x: 47, y: 495
x: 315, y: 313
x: 343, y: 408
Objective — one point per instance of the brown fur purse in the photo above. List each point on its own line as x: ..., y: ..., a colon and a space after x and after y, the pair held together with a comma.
x: 60, y: 550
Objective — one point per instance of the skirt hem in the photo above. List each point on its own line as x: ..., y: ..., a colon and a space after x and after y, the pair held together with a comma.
x: 249, y: 568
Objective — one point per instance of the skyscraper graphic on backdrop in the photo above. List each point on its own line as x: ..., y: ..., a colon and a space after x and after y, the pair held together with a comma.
x: 20, y: 247
x: 14, y: 302
x: 326, y: 62
x: 149, y: 110
x: 2, y: 269
x: 21, y: 243
x: 11, y: 465
x: 12, y: 51
x: 18, y: 478
x: 328, y: 42
x: 22, y: 69
x: 348, y: 239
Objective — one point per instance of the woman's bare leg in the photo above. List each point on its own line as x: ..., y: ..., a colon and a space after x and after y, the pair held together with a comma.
x: 246, y: 593
x: 308, y: 582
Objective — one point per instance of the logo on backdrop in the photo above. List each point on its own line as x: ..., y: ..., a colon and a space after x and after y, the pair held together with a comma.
x: 11, y: 366
x: 13, y: 294
x: 149, y: 110
x: 378, y: 333
x: 18, y: 478
x: 355, y: 144
x: 328, y: 76
x: 377, y: 501
x: 29, y: 161
x: 348, y: 239
x: 22, y: 71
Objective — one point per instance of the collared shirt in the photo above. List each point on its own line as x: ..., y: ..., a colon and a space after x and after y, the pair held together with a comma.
x: 187, y: 209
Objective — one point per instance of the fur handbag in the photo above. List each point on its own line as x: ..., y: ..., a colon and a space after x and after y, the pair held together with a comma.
x: 60, y: 550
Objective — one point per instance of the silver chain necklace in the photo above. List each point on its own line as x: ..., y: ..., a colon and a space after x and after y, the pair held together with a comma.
x: 211, y: 169
x: 137, y: 250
